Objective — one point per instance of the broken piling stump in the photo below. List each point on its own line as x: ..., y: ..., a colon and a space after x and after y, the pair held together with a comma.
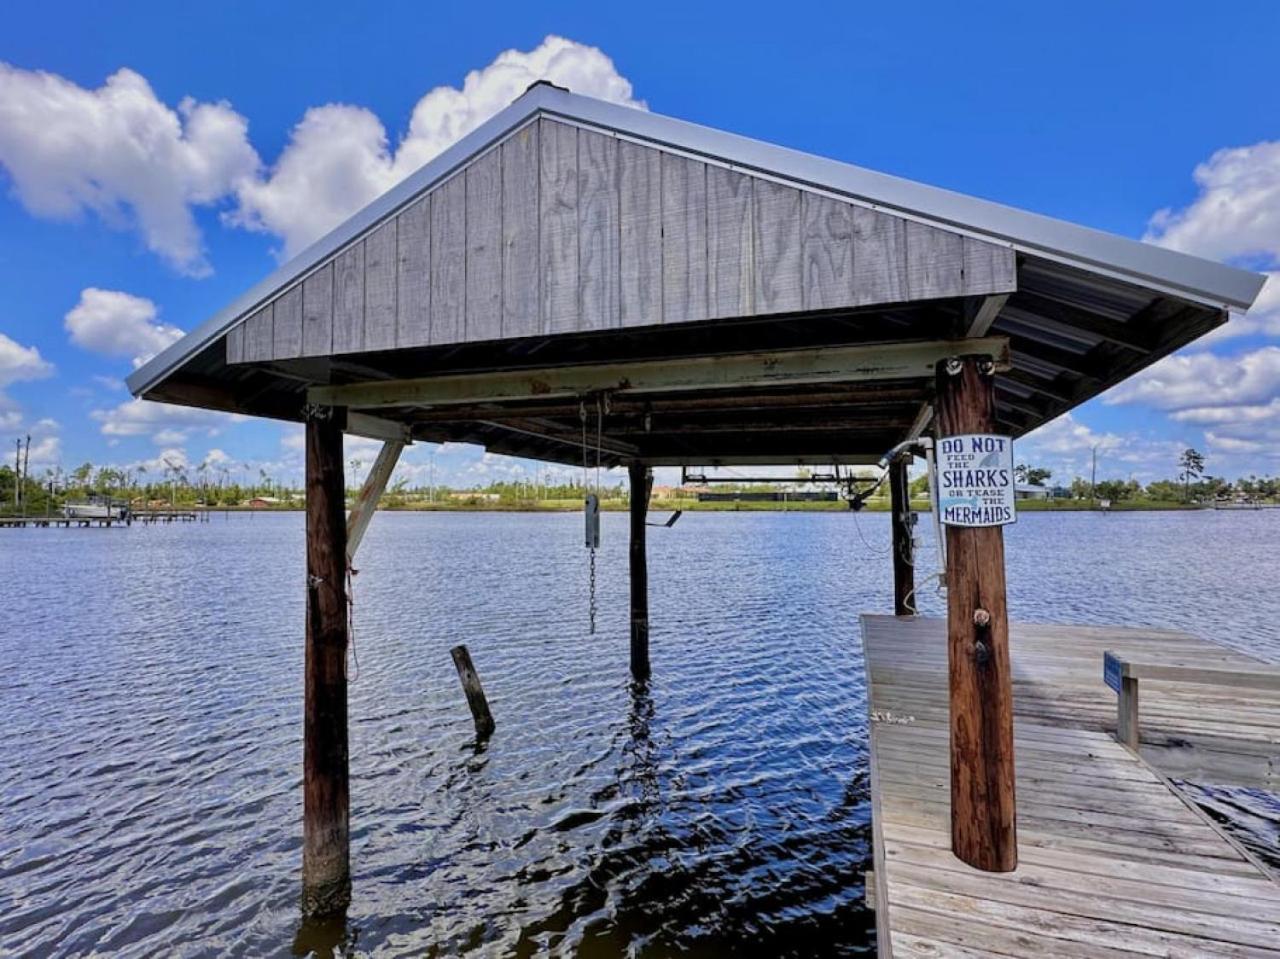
x: 475, y: 692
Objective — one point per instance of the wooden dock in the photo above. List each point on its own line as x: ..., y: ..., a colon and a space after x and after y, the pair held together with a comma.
x: 81, y: 522
x: 171, y: 515
x: 144, y: 516
x: 1113, y: 860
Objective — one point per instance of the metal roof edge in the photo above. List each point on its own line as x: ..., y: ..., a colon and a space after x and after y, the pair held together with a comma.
x: 1032, y: 233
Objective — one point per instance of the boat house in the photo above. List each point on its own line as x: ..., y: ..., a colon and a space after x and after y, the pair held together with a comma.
x: 575, y: 276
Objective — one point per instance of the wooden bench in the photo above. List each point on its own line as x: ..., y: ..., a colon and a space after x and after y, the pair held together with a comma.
x: 1122, y: 675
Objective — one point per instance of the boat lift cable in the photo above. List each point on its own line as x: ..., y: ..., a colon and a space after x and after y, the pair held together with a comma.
x: 923, y: 445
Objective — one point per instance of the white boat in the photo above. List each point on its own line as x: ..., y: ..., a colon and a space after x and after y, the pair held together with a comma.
x: 96, y: 509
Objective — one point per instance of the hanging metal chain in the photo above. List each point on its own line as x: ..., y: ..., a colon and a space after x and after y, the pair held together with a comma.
x: 591, y: 601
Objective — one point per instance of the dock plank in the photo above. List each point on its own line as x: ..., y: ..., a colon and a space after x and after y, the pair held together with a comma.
x: 1112, y: 860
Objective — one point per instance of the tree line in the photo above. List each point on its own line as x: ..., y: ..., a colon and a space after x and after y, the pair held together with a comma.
x: 213, y: 485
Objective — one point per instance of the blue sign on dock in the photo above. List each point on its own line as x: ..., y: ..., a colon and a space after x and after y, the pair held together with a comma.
x: 1111, y: 671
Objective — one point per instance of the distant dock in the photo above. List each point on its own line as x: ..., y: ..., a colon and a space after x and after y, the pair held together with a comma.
x: 1112, y: 857
x: 145, y: 517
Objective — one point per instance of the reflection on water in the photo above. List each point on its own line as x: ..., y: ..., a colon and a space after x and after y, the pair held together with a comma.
x: 152, y: 702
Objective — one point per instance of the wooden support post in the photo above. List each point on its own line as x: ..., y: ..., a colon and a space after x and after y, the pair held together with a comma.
x: 1127, y: 713
x: 326, y: 869
x: 475, y: 692
x: 983, y: 815
x: 641, y: 484
x: 904, y: 586
x: 370, y: 493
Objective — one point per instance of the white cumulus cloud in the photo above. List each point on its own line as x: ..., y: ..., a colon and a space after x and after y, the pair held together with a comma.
x: 339, y: 157
x: 1235, y: 217
x: 18, y: 362
x: 1236, y: 399
x: 165, y: 424
x: 1199, y: 380
x: 1237, y: 213
x: 118, y: 324
x: 1066, y: 446
x: 119, y: 152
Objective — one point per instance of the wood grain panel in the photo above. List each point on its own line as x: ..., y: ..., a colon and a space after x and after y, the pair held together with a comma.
x: 558, y: 229
x: 599, y: 236
x: 235, y: 344
x: 258, y: 336
x: 413, y: 275
x: 776, y: 238
x: 484, y: 248
x: 730, y: 279
x: 988, y: 268
x: 826, y: 253
x: 640, y: 205
x: 317, y: 312
x: 563, y: 229
x: 520, y: 284
x: 448, y: 261
x: 684, y: 239
x: 380, y: 288
x: 348, y: 300
x: 935, y: 262
x: 287, y: 324
x: 879, y: 257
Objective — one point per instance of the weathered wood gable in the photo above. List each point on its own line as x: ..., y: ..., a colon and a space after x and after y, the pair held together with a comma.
x: 562, y: 229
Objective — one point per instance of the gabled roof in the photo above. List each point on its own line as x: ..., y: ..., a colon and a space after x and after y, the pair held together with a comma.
x: 1091, y: 251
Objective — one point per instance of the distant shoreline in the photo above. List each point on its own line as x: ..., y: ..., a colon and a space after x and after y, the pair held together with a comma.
x: 723, y: 506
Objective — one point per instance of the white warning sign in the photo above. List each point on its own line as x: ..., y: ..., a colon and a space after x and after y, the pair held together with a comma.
x: 975, y: 480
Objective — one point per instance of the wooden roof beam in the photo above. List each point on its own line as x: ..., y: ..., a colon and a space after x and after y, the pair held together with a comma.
x: 766, y: 459
x: 912, y: 360
x: 547, y: 434
x: 705, y: 404
x: 986, y: 314
x: 378, y: 428
x: 921, y: 423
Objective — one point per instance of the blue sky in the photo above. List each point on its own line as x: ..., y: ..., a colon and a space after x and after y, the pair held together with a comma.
x: 136, y: 203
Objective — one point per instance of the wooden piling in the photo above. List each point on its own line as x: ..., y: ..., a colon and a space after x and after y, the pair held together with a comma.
x: 904, y: 586
x: 326, y: 869
x: 1127, y: 714
x: 983, y: 814
x: 476, y: 699
x: 641, y: 485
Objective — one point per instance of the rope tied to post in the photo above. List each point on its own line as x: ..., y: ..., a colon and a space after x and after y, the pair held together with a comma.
x: 349, y: 653
x: 352, y: 572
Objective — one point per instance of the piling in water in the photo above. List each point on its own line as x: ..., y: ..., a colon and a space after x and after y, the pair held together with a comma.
x: 475, y: 692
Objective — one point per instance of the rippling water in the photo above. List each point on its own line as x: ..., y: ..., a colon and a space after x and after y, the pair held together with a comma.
x: 151, y: 701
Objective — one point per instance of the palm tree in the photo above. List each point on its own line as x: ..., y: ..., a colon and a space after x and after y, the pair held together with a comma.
x: 202, y: 469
